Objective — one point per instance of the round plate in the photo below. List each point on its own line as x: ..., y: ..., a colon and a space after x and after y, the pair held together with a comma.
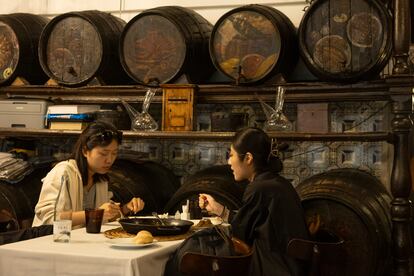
x: 213, y: 222
x: 127, y: 243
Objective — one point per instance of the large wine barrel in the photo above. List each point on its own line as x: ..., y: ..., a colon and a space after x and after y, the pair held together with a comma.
x: 162, y: 44
x: 19, y: 38
x: 18, y: 200
x: 217, y: 181
x: 77, y: 47
x: 150, y: 181
x: 253, y: 43
x: 355, y: 207
x: 346, y: 41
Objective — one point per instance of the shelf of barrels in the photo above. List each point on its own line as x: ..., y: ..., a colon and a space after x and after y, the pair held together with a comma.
x: 338, y: 54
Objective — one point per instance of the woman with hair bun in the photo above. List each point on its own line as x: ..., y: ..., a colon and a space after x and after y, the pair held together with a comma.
x: 271, y: 213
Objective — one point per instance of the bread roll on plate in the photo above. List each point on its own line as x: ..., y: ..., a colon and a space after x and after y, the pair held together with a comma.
x: 143, y: 237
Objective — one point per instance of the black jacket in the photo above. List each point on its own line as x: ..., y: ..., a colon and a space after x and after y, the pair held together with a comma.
x: 270, y: 216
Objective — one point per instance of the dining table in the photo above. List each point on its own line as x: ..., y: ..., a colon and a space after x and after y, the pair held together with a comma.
x: 85, y: 254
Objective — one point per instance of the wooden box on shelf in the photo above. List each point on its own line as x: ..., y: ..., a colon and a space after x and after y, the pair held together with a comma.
x: 313, y: 117
x: 178, y: 107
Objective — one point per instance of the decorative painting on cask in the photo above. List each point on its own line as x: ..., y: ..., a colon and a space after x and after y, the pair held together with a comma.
x: 247, y: 40
x: 254, y: 43
x: 19, y: 38
x: 81, y: 48
x: 73, y: 50
x: 9, y: 51
x: 153, y: 48
x: 167, y: 45
x: 346, y: 40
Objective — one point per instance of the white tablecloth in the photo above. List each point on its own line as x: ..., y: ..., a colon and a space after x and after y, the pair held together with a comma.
x: 86, y: 254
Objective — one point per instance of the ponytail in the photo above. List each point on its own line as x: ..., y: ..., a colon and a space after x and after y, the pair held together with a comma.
x: 274, y: 163
x: 265, y: 151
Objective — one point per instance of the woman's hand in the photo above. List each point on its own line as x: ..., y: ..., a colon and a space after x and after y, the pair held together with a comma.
x: 206, y: 201
x: 111, y: 210
x: 135, y: 205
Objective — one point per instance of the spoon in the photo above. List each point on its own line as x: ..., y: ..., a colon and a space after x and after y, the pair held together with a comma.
x: 156, y: 216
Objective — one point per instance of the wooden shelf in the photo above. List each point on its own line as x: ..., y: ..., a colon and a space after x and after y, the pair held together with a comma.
x: 208, y: 136
x: 380, y: 90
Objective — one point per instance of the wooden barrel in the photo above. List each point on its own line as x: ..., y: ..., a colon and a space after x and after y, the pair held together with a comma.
x: 253, y: 43
x: 19, y: 38
x: 77, y: 47
x: 354, y: 206
x: 163, y: 44
x: 18, y: 200
x: 13, y: 207
x: 217, y: 181
x: 152, y: 182
x: 346, y: 41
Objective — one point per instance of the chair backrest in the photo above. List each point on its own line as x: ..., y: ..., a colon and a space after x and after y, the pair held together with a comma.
x: 7, y: 221
x: 25, y: 234
x: 324, y: 258
x: 208, y: 265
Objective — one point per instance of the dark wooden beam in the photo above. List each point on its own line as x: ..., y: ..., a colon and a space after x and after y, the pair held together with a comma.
x: 402, y: 33
x: 401, y: 186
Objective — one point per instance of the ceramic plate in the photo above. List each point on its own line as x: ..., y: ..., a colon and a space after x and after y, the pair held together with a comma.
x: 127, y: 243
x: 213, y: 221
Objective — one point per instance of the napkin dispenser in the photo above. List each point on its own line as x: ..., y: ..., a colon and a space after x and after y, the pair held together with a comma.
x: 23, y: 113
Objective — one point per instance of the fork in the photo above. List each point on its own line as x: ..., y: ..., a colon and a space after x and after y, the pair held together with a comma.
x: 158, y: 217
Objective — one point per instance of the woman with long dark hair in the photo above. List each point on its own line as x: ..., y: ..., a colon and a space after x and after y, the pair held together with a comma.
x: 271, y: 213
x: 81, y: 182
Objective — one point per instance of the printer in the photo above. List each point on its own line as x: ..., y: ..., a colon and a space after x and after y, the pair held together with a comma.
x: 23, y: 113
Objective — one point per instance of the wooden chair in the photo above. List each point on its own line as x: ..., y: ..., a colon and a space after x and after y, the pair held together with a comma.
x: 324, y: 258
x: 198, y: 264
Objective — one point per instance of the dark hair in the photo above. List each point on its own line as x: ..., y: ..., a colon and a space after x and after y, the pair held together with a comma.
x: 97, y: 133
x: 259, y: 144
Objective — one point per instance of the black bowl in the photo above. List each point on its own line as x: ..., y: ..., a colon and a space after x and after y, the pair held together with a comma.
x: 170, y: 227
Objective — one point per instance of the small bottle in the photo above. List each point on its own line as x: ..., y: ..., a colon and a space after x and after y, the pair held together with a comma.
x: 185, y: 215
x: 62, y: 217
x: 177, y: 215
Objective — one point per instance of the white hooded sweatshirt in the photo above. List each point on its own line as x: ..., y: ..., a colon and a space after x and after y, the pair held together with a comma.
x: 71, y: 196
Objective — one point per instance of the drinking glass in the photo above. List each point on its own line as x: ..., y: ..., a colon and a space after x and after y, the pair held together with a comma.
x: 62, y: 226
x: 93, y: 220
